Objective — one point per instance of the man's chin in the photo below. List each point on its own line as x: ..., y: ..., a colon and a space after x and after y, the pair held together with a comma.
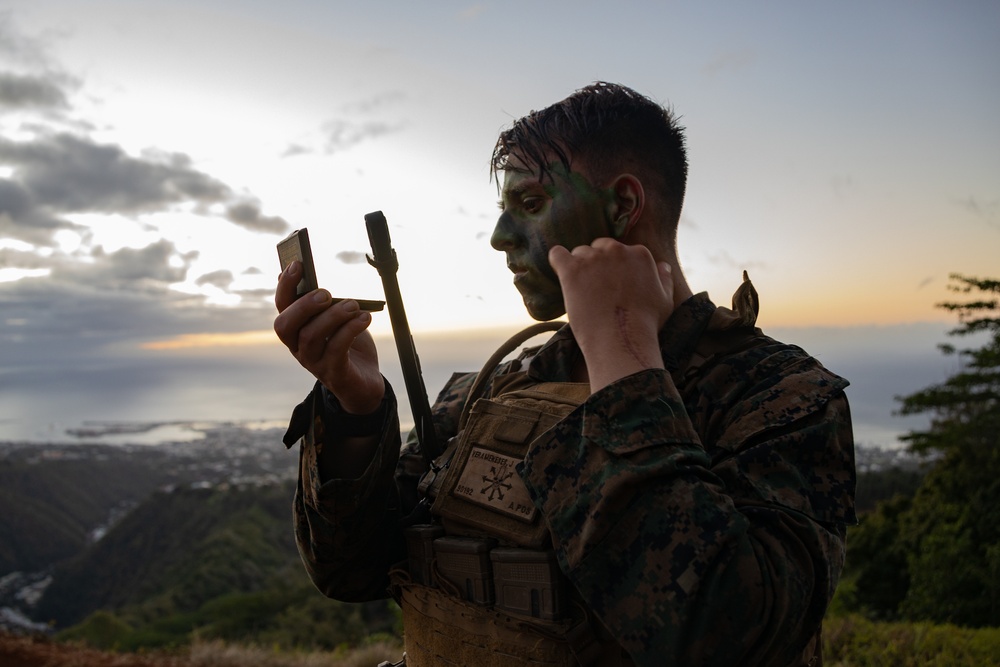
x: 544, y: 311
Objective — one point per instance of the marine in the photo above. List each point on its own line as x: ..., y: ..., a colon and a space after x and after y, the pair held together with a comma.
x: 690, y: 478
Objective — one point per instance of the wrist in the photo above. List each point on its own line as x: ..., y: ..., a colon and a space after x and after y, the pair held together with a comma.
x: 603, y: 375
x: 620, y: 357
x: 355, y: 402
x: 349, y: 425
x: 355, y: 419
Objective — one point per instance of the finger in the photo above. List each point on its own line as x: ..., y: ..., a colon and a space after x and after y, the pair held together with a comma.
x: 559, y: 257
x: 300, y: 322
x: 288, y: 281
x: 342, y: 337
x: 320, y: 326
x: 606, y: 242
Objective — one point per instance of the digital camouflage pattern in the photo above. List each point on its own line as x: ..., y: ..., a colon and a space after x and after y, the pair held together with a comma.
x: 700, y: 511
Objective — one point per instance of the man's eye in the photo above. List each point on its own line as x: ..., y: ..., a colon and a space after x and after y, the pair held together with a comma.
x: 532, y: 204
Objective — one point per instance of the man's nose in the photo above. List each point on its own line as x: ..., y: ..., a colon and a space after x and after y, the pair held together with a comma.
x: 504, y: 234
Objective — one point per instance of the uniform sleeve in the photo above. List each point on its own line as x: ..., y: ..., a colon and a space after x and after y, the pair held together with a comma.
x: 347, y: 530
x: 684, y: 559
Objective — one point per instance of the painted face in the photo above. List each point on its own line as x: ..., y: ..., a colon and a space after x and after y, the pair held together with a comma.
x: 563, y: 209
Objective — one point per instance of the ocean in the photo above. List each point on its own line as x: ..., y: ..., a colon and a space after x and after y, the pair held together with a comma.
x: 152, y: 400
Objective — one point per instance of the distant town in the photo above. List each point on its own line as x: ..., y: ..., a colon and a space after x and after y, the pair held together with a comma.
x: 209, y: 453
x: 252, y: 452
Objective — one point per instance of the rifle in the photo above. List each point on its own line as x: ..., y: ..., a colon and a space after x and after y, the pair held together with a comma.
x: 383, y: 258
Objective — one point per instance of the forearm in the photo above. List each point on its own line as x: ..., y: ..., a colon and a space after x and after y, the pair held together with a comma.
x: 347, y: 518
x: 666, y: 551
x: 350, y: 441
x: 736, y: 586
x: 350, y: 560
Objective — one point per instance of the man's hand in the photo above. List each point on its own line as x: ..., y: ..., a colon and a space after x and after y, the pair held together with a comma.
x: 330, y: 341
x: 617, y: 298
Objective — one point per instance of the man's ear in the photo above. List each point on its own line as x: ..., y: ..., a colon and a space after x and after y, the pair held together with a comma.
x: 627, y: 201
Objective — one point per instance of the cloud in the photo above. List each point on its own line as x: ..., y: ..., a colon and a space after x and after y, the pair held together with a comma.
x: 354, y: 125
x: 54, y: 172
x: 258, y: 294
x: 21, y: 49
x: 247, y: 214
x: 24, y: 219
x: 724, y: 259
x: 338, y: 135
x: 375, y: 102
x: 84, y: 304
x: 30, y: 92
x: 19, y: 257
x: 351, y: 257
x: 221, y: 279
x: 343, y: 134
x: 988, y: 211
x: 59, y: 174
x: 295, y: 149
x: 151, y: 269
x: 29, y: 81
x: 730, y: 61
x: 79, y: 320
x: 73, y: 173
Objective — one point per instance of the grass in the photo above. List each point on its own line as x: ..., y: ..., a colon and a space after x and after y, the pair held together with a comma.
x: 854, y: 641
x: 848, y: 641
x: 19, y: 651
x: 221, y: 654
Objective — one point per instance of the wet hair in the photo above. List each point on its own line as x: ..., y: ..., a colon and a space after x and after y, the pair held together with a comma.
x: 610, y: 129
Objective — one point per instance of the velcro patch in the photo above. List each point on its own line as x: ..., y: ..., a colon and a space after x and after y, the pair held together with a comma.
x: 489, y: 479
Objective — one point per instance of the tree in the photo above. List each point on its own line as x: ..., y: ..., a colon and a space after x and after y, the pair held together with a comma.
x: 950, y: 531
x: 877, y: 562
x: 966, y: 405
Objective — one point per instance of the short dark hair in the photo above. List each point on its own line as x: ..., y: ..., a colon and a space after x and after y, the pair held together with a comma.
x: 610, y: 128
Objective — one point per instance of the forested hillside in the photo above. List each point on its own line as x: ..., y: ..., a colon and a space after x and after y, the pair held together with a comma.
x: 151, y: 546
x: 216, y: 563
x: 49, y: 509
x: 178, y: 550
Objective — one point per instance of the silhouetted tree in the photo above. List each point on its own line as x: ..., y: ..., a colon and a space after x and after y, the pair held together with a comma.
x: 967, y: 405
x: 936, y: 555
x: 950, y: 532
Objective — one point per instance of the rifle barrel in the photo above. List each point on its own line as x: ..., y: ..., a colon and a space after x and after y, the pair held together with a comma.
x: 383, y: 258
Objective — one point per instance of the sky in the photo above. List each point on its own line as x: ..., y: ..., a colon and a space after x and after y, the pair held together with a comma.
x: 847, y: 155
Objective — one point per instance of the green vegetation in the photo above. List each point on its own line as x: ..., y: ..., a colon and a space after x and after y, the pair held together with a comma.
x: 177, y: 550
x: 935, y: 555
x: 883, y: 485
x: 209, y: 564
x: 284, y: 620
x: 48, y: 508
x: 855, y: 641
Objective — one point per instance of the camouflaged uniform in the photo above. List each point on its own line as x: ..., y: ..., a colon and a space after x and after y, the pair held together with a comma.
x: 699, y: 512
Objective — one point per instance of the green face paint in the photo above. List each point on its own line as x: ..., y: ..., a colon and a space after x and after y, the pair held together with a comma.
x: 564, y: 209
